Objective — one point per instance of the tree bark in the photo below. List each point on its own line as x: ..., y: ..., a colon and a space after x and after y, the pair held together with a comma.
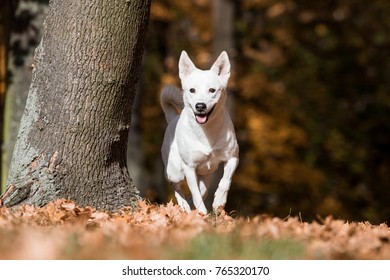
x: 73, y: 134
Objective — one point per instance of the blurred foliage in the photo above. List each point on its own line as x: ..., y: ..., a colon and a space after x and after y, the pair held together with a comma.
x: 311, y: 102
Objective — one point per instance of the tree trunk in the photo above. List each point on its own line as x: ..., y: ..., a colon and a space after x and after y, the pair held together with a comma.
x: 73, y: 134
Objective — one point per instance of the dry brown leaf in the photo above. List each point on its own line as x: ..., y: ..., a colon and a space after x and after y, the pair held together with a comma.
x: 62, y: 229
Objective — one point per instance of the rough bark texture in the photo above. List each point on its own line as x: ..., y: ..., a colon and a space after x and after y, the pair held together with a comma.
x: 73, y: 134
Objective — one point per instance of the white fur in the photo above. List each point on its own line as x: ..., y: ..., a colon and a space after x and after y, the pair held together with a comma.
x: 193, y: 147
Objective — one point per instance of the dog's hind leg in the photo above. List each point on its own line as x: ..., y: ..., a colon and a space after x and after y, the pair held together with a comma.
x: 204, y: 184
x: 180, y: 197
x: 192, y: 182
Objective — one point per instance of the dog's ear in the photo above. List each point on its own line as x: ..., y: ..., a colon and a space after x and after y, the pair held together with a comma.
x: 186, y: 66
x: 222, y: 67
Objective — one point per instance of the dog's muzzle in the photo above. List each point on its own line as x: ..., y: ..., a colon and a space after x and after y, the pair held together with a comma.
x: 201, y: 116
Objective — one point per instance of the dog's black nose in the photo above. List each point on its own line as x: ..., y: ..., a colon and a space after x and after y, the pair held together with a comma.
x: 200, y: 107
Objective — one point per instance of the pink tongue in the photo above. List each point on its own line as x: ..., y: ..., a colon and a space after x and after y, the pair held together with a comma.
x: 201, y: 119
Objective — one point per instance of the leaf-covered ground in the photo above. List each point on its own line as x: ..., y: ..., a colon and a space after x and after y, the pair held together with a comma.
x: 63, y: 230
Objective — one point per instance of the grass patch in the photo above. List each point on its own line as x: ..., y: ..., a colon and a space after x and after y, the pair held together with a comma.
x: 211, y: 246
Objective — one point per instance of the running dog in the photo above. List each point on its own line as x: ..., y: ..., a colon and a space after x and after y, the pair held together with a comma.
x: 200, y: 134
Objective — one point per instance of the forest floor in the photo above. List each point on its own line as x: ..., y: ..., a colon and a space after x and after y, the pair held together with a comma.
x: 63, y: 230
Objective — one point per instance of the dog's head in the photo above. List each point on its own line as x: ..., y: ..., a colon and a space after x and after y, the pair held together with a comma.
x: 204, y: 90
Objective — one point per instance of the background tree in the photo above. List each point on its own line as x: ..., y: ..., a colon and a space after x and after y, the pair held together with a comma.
x: 73, y: 134
x: 24, y: 20
x: 5, y: 12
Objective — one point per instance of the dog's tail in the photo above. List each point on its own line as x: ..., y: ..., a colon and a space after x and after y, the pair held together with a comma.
x: 171, y: 101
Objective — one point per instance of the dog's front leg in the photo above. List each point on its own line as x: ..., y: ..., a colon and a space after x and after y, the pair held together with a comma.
x: 192, y: 182
x: 221, y: 193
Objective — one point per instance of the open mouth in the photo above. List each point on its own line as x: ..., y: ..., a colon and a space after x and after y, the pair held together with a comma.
x: 203, y: 118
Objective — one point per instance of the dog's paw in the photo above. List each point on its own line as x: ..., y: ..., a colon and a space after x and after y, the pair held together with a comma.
x: 184, y: 204
x: 220, y: 198
x: 219, y: 210
x: 202, y: 209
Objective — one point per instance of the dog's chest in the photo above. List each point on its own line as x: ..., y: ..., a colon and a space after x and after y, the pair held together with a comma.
x: 207, y: 163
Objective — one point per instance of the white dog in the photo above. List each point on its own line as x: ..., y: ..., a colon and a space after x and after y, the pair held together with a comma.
x: 202, y: 136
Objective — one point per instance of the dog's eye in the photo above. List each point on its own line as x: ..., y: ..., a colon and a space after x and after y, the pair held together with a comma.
x: 192, y: 90
x: 212, y: 90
